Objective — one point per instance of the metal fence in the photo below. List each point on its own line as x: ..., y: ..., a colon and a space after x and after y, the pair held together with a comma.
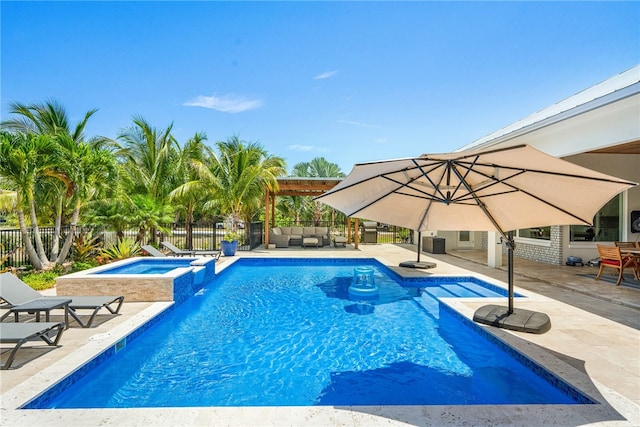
x: 203, y: 236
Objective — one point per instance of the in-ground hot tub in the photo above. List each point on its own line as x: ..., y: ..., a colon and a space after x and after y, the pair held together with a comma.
x: 142, y: 279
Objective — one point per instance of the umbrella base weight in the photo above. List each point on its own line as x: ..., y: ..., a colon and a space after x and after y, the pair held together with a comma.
x: 417, y: 264
x: 520, y: 320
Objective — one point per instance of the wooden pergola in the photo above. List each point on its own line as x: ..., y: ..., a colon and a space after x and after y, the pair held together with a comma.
x: 310, y: 187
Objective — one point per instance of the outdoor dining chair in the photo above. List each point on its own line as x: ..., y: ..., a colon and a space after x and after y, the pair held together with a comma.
x: 611, y: 256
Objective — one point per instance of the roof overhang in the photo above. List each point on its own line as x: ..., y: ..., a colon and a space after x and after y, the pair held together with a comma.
x: 603, y: 118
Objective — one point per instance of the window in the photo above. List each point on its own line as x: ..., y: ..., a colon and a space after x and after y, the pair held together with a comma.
x: 606, y: 224
x: 541, y: 233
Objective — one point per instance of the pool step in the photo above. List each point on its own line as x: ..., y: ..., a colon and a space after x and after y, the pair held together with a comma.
x: 430, y: 304
x: 481, y: 290
x: 461, y: 290
x: 458, y: 290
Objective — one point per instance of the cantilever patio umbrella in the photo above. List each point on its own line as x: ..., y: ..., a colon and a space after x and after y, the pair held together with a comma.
x: 492, y: 190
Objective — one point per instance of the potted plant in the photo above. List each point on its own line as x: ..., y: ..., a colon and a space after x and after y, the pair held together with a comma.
x: 229, y: 244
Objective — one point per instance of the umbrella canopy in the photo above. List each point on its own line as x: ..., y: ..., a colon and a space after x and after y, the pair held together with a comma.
x: 494, y: 190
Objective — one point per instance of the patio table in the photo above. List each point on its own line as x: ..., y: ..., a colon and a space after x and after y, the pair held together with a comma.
x: 635, y: 254
x: 43, y: 305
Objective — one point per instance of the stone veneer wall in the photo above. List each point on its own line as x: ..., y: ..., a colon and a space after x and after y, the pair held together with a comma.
x: 139, y: 288
x: 550, y: 253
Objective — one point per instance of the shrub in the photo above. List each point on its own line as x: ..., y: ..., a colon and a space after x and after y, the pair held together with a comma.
x: 124, y: 248
x: 41, y: 280
x: 79, y: 266
x: 230, y: 236
x: 85, y: 246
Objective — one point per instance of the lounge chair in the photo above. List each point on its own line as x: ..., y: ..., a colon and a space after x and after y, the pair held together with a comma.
x: 20, y: 333
x: 189, y: 252
x: 19, y: 295
x: 153, y: 251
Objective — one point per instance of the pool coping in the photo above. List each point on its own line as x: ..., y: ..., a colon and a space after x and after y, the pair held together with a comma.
x: 613, y: 407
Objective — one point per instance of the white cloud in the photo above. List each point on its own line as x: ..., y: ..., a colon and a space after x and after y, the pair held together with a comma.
x: 354, y: 123
x: 296, y: 147
x: 230, y: 103
x: 326, y: 75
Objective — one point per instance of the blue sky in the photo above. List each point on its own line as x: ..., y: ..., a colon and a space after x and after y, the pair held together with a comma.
x: 347, y: 81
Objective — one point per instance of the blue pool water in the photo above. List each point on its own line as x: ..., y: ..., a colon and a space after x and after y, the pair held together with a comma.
x: 287, y: 333
x: 149, y: 266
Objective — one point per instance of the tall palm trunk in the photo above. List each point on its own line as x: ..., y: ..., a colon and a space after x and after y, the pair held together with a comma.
x: 26, y: 241
x: 188, y: 229
x: 57, y: 230
x: 36, y: 235
x: 73, y: 227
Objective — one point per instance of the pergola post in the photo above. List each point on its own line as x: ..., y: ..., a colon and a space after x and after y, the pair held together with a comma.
x: 266, y: 218
x: 355, y: 234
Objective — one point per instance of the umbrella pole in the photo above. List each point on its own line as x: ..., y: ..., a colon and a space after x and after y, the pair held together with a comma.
x: 419, y: 249
x: 510, y: 249
x: 507, y: 317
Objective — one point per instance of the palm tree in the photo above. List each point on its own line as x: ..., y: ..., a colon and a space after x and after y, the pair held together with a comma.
x: 238, y: 176
x: 150, y: 215
x: 25, y: 158
x: 114, y: 213
x: 318, y: 167
x: 86, y: 172
x: 147, y: 153
x: 79, y: 167
x: 291, y: 207
x: 49, y: 118
x: 188, y: 194
x: 149, y: 156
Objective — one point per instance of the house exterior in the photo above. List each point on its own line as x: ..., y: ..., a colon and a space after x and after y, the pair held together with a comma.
x: 598, y: 128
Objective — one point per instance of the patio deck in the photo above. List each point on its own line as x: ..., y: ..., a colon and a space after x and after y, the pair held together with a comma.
x: 594, y: 343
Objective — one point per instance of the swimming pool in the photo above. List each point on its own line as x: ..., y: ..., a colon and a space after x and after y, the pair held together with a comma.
x: 286, y: 333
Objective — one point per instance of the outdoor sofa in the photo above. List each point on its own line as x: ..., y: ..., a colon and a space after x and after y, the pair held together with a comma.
x: 283, y: 237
